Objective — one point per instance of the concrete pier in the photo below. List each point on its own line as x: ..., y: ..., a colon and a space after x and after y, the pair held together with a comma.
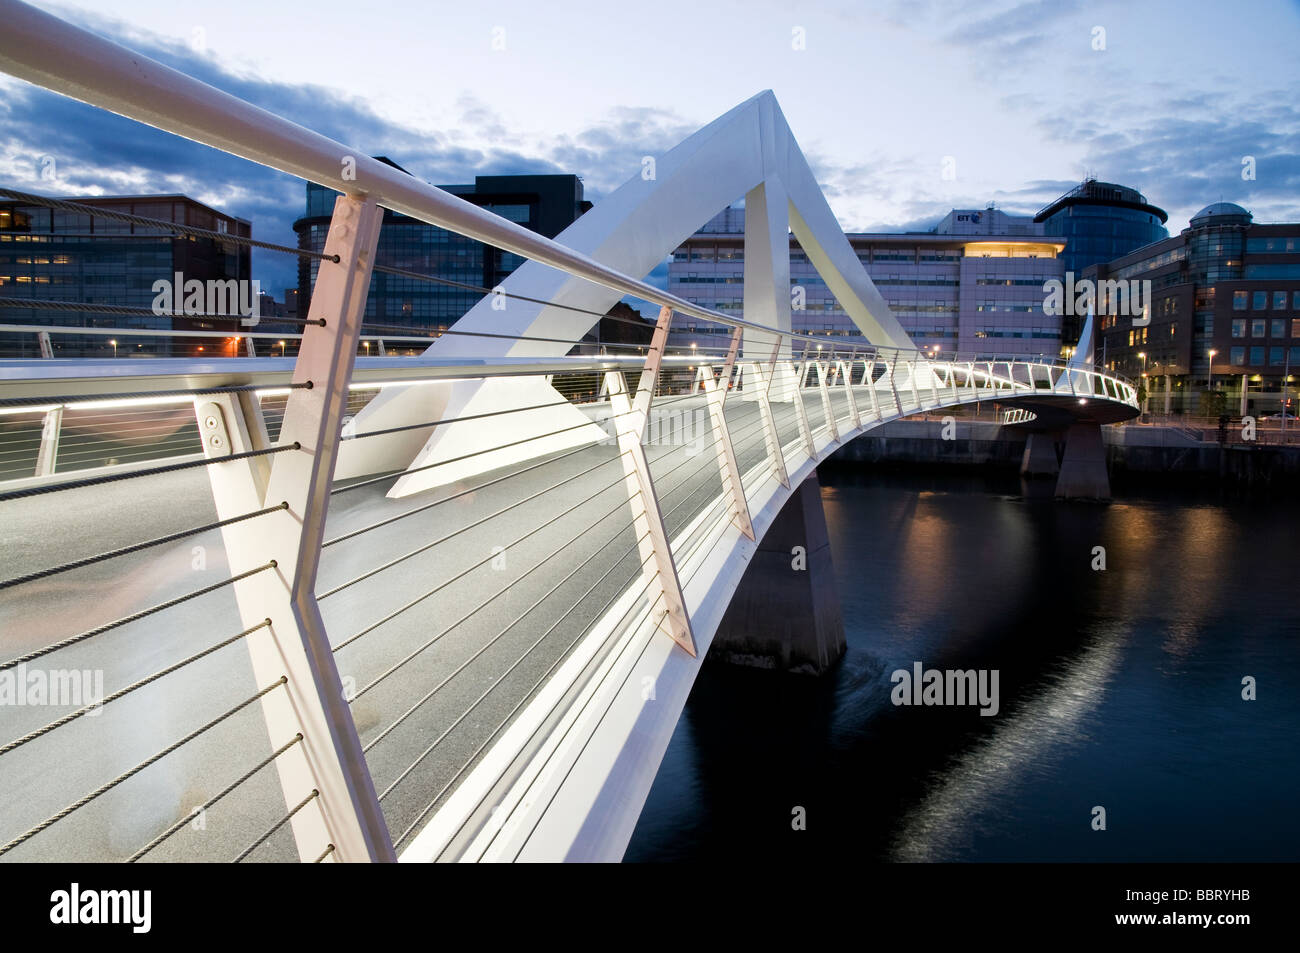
x: 786, y: 613
x: 1040, y: 455
x: 1083, y: 467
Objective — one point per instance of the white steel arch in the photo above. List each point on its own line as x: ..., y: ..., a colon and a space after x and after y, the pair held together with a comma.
x: 748, y: 152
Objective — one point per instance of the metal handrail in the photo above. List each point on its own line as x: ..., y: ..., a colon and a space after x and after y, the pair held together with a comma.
x: 272, y: 497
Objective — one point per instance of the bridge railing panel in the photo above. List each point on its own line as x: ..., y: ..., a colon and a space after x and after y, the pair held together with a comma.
x: 325, y: 585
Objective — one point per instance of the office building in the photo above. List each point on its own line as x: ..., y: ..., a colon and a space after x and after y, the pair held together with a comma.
x: 1100, y: 221
x: 544, y: 203
x: 56, y: 255
x: 974, y: 285
x: 1224, y: 292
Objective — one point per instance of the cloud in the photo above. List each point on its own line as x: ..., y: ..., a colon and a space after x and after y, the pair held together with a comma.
x: 1179, y: 144
x: 100, y: 153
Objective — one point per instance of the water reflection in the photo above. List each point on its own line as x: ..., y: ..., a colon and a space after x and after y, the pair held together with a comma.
x: 1119, y: 687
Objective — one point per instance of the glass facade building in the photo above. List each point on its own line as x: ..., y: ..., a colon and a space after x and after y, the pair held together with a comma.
x: 974, y: 285
x: 55, y: 255
x: 1224, y: 285
x: 1100, y: 222
x: 544, y: 203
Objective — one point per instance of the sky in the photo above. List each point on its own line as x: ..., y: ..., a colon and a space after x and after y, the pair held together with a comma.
x: 1020, y: 99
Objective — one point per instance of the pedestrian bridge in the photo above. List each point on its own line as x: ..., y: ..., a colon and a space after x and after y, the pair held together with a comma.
x: 348, y: 605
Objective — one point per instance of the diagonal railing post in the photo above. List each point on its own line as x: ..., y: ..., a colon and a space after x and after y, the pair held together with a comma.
x: 868, y: 378
x: 771, y: 435
x: 846, y: 372
x: 327, y: 768
x: 801, y: 412
x: 51, y: 430
x: 892, y: 370
x: 824, y: 388
x: 631, y: 415
x: 727, y: 467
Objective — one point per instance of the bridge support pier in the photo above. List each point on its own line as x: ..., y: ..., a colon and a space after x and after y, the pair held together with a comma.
x: 1040, y: 454
x: 1083, y: 468
x: 786, y: 613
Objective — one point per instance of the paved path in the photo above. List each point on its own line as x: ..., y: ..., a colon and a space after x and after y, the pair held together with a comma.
x: 442, y: 648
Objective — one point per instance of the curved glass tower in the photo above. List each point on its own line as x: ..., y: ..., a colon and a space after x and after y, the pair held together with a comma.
x: 1102, y: 221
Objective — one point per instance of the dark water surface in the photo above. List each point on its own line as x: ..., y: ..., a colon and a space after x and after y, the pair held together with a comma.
x: 1120, y: 688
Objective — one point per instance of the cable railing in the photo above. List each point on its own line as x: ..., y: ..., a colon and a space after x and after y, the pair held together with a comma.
x: 391, y: 578
x: 449, y: 641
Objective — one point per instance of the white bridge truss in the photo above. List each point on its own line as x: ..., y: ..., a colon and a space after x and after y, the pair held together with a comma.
x: 492, y: 717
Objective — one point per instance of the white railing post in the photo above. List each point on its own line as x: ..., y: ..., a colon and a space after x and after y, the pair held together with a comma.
x: 801, y: 412
x: 344, y: 812
x: 717, y: 397
x: 51, y: 430
x: 892, y: 371
x: 846, y: 371
x: 631, y: 416
x: 831, y: 427
x: 771, y: 435
x: 868, y: 378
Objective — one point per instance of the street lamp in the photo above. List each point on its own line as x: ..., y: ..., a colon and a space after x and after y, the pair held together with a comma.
x: 1143, y: 355
x: 281, y: 343
x: 113, y: 341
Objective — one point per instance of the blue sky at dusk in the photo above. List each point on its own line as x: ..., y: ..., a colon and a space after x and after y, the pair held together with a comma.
x: 878, y: 94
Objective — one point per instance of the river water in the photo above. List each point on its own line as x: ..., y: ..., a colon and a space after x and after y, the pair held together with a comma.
x: 1119, y: 688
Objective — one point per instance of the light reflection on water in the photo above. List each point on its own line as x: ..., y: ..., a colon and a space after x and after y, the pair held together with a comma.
x: 1119, y: 688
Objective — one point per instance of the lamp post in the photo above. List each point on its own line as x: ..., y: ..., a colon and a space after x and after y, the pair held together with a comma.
x: 1145, y: 395
x: 1286, y: 379
x: 113, y: 341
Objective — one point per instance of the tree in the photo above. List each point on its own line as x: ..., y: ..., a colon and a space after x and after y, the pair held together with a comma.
x: 1212, y: 403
